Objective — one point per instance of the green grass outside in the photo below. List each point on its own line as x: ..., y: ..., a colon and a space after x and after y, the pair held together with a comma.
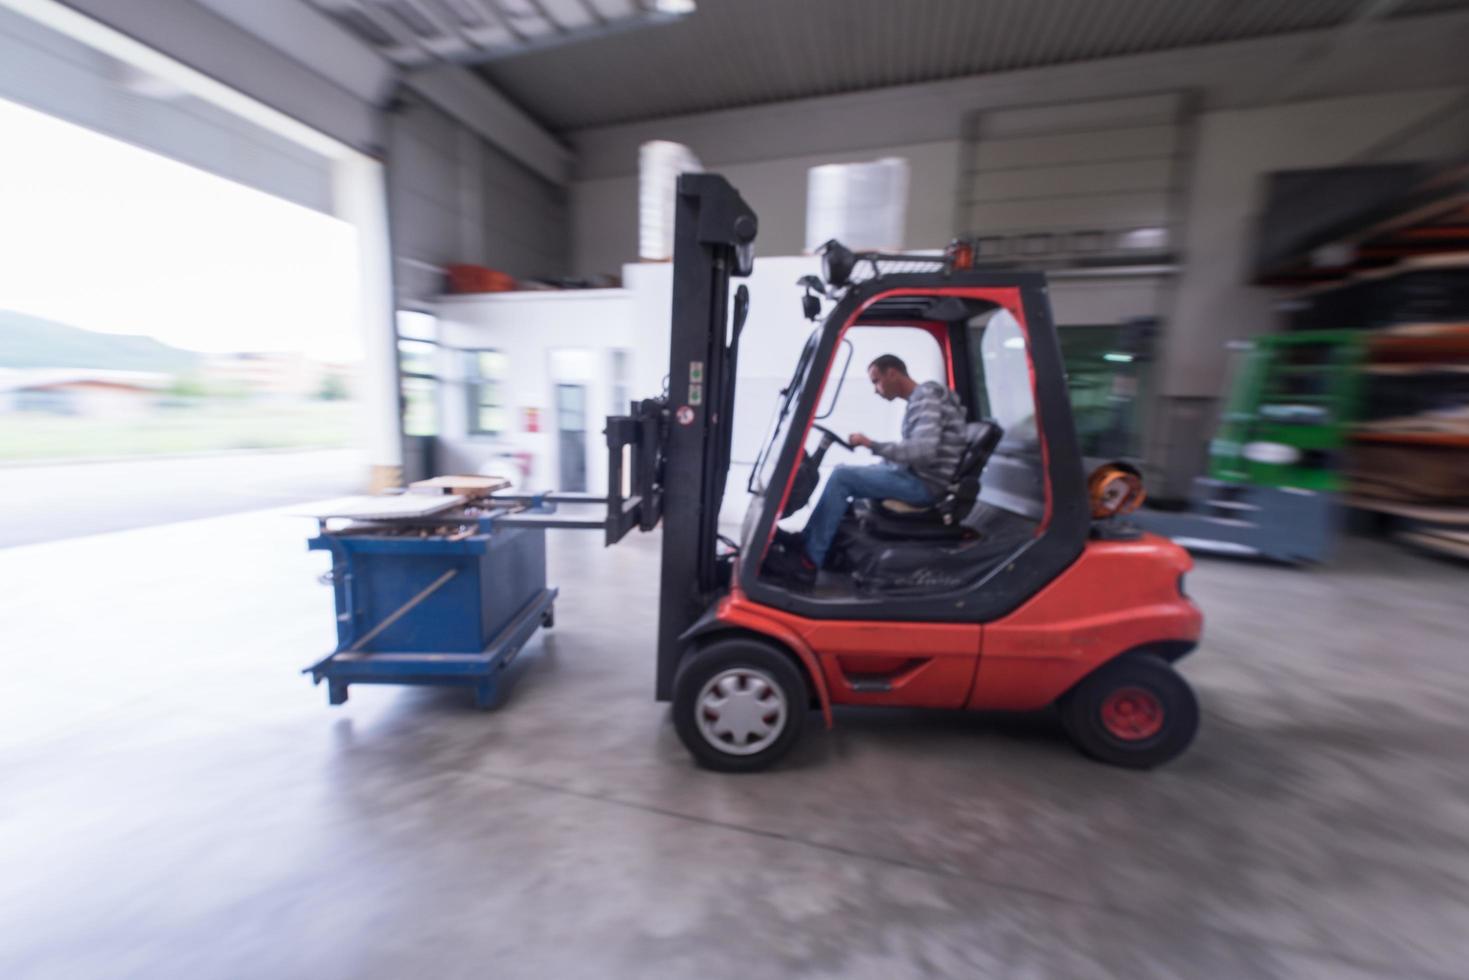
x: 207, y: 427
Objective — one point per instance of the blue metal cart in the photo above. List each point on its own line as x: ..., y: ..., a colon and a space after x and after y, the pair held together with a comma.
x: 446, y: 599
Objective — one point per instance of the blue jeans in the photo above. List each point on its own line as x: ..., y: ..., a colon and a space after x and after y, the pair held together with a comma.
x: 885, y: 481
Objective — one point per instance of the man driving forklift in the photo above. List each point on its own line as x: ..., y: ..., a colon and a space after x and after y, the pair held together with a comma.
x: 914, y: 470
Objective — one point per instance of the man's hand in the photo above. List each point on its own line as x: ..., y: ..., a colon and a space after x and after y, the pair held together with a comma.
x: 858, y: 439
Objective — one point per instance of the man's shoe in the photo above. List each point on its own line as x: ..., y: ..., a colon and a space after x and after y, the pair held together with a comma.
x: 791, y: 568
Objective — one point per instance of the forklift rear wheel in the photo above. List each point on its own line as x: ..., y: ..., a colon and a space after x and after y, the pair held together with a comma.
x: 1135, y: 712
x: 739, y: 705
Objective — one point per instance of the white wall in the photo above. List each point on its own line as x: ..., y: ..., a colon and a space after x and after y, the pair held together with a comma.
x: 535, y: 331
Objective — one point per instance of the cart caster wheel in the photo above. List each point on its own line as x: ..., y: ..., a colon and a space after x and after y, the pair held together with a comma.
x: 1136, y: 712
x: 739, y: 705
x: 486, y: 696
x: 548, y: 618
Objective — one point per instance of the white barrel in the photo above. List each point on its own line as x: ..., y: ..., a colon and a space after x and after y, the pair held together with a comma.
x: 862, y: 205
x: 659, y: 164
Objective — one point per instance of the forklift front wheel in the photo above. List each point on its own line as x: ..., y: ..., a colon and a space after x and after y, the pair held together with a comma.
x: 548, y: 618
x: 1135, y: 712
x: 739, y: 705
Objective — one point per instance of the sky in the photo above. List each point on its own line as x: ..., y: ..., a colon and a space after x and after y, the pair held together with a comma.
x: 102, y: 235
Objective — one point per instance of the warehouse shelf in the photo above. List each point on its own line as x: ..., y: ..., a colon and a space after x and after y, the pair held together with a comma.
x: 1334, y: 227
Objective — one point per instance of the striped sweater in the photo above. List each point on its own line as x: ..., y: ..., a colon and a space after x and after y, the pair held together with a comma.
x: 933, y: 436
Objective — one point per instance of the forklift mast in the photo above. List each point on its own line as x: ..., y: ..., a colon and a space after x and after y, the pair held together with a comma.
x: 713, y: 239
x: 678, y: 445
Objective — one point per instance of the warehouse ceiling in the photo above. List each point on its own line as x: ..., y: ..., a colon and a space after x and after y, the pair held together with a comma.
x: 578, y: 63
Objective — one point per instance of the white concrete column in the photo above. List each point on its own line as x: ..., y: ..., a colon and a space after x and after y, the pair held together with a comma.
x: 359, y: 191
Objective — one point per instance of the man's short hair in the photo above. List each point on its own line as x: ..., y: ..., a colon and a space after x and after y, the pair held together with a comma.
x: 888, y: 362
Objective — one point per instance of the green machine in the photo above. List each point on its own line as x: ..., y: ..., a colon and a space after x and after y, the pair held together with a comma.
x: 1275, y: 465
x: 1289, y: 404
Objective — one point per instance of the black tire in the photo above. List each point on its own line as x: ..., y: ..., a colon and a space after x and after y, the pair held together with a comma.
x: 548, y: 618
x: 1136, y: 712
x: 744, y: 664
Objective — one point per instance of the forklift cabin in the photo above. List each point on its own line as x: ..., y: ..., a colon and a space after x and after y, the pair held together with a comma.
x: 1016, y: 591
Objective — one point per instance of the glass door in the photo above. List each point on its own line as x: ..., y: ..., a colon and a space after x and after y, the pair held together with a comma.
x: 571, y: 435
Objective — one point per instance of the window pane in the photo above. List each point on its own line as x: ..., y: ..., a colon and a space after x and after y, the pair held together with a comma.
x: 620, y: 378
x: 1014, y: 478
x: 416, y: 357
x: 483, y: 378
x: 490, y: 364
x: 492, y: 420
x: 1007, y: 375
x: 848, y: 397
x: 413, y: 325
x: 419, y: 416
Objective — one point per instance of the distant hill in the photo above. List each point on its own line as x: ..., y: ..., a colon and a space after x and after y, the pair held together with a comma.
x: 30, y: 342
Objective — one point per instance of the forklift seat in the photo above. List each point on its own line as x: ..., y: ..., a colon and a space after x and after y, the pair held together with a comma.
x: 942, y: 521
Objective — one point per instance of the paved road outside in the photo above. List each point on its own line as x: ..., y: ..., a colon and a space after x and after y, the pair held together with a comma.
x: 69, y: 500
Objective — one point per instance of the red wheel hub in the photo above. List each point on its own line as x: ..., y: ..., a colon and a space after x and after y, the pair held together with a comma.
x: 1132, y: 714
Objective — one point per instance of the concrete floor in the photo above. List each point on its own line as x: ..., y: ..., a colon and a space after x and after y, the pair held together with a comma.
x: 178, y: 801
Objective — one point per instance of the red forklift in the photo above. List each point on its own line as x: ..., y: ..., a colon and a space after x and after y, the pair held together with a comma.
x: 1023, y: 587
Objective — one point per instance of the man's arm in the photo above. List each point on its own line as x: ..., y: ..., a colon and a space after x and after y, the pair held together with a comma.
x: 921, y: 444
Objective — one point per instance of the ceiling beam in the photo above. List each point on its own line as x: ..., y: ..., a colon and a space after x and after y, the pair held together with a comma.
x: 469, y: 99
x: 1334, y: 43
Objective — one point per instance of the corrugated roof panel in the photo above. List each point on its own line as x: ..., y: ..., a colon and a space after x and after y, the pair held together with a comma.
x: 732, y: 53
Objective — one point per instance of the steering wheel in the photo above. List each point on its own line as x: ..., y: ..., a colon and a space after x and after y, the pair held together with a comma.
x: 828, y: 437
x: 808, y: 472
